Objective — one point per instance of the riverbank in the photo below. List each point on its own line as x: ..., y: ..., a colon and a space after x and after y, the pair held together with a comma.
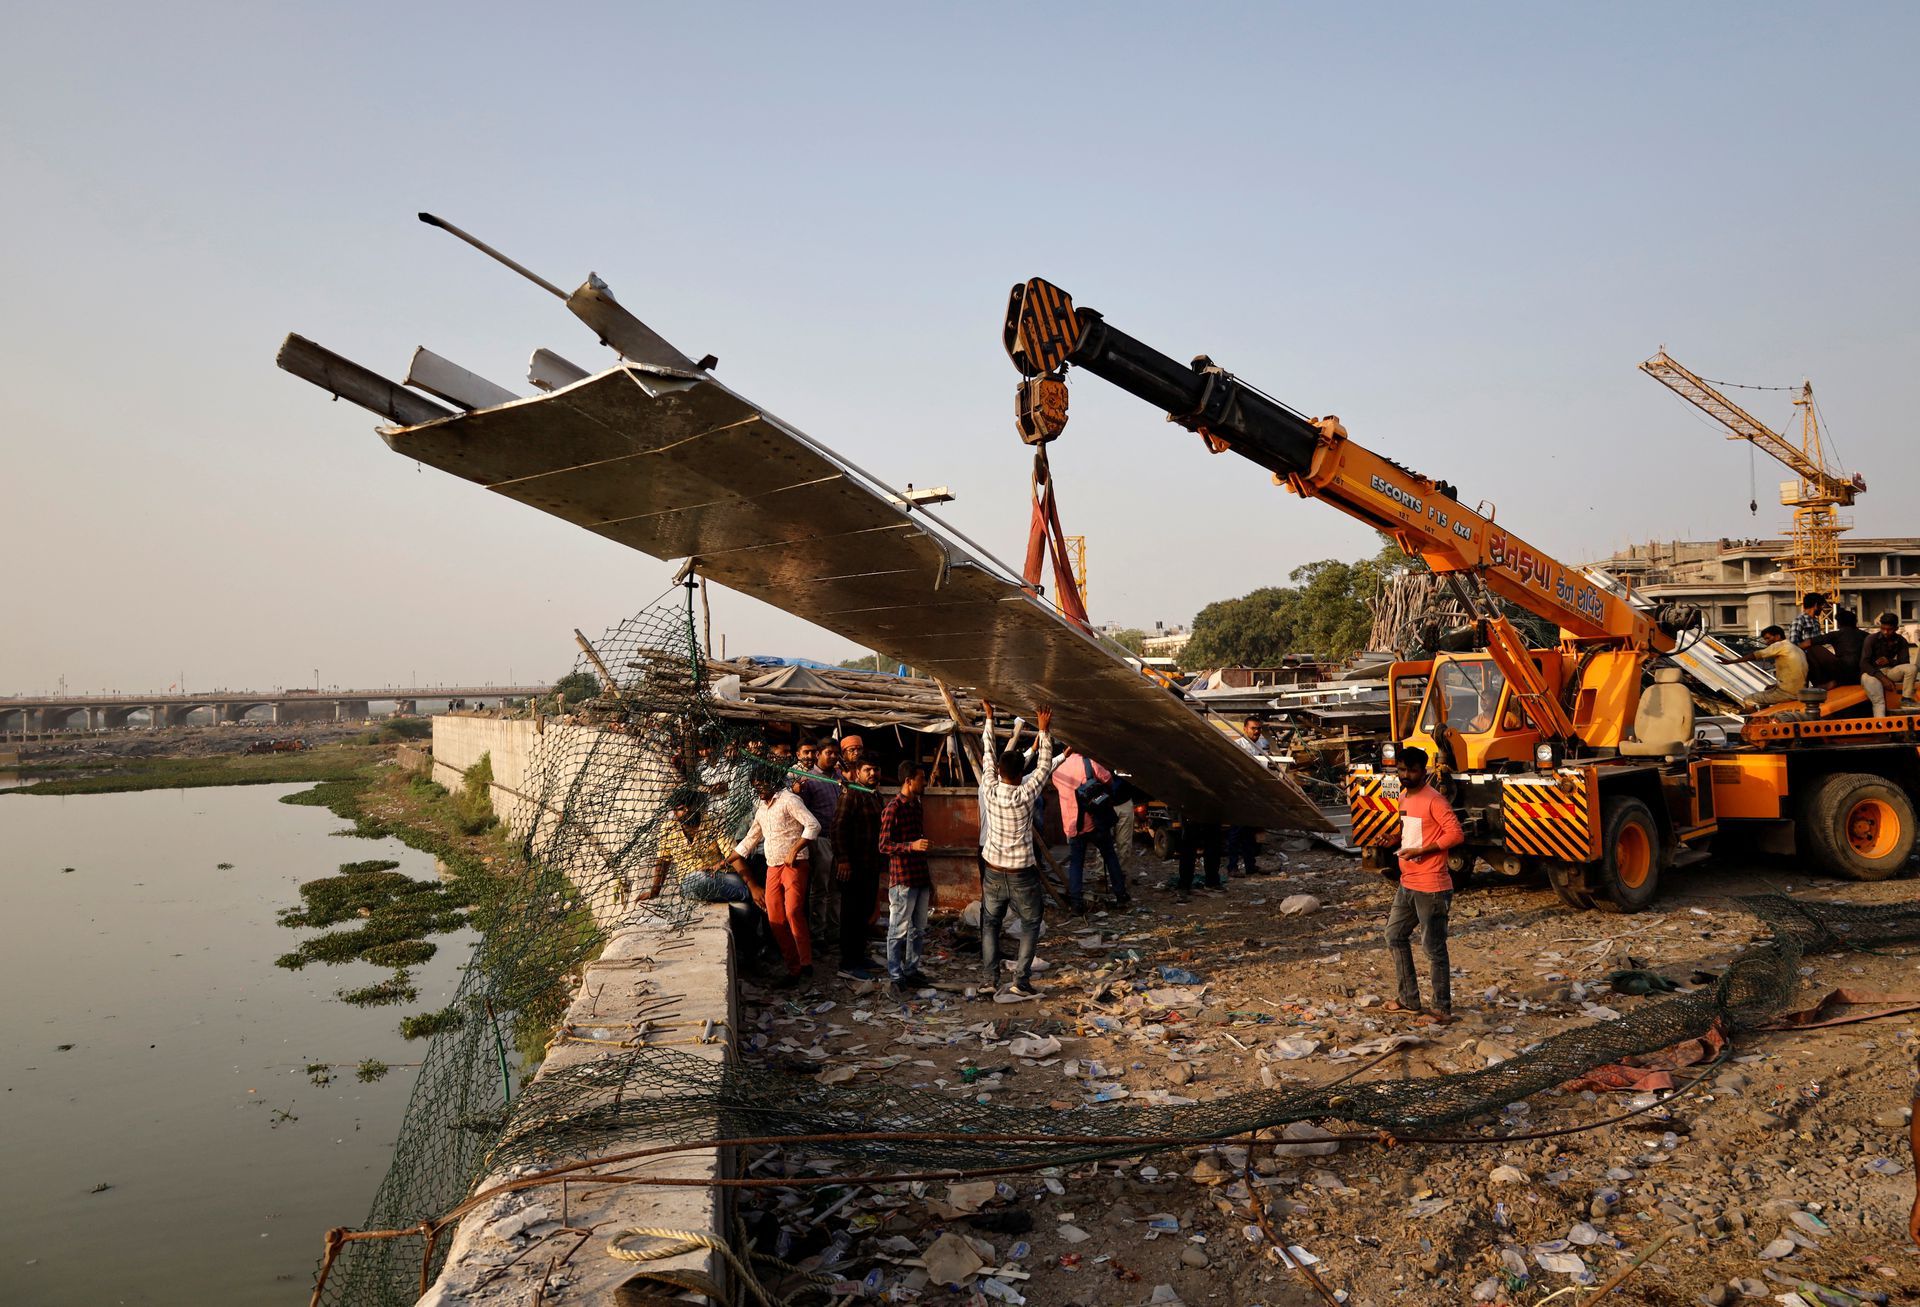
x: 167, y: 1142
x: 333, y: 762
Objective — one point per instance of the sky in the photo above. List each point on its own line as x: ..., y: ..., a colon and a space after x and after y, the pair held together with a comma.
x: 1457, y: 227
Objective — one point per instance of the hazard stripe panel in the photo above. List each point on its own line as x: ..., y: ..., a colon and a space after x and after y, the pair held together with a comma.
x: 1376, y: 816
x: 1545, y: 821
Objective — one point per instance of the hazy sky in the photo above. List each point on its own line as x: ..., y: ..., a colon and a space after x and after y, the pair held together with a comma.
x: 1457, y: 226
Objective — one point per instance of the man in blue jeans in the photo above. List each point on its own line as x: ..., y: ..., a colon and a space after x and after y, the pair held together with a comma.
x: 904, y: 844
x: 1008, y: 878
x: 1087, y: 823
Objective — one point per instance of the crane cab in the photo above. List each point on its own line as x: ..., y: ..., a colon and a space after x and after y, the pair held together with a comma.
x: 1523, y: 801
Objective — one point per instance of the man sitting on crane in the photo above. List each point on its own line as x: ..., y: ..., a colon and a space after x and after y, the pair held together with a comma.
x: 1834, y: 660
x: 1789, y: 668
x: 1887, y: 661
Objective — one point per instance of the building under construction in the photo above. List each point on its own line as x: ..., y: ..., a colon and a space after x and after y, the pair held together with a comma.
x: 1744, y: 585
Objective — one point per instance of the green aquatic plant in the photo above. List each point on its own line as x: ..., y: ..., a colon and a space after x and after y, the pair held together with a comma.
x: 428, y: 1024
x: 397, y: 988
x: 395, y: 912
x: 402, y: 953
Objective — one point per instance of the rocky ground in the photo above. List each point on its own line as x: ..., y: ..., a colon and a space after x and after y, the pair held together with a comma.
x: 1788, y: 1164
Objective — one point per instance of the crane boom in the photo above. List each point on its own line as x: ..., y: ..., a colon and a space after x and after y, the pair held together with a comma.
x: 1315, y: 458
x: 1742, y: 425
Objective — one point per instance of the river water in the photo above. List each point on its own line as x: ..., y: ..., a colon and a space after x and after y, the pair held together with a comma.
x: 185, y: 1090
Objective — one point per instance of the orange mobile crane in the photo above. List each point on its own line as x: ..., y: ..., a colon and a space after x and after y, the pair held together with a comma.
x: 1578, y: 761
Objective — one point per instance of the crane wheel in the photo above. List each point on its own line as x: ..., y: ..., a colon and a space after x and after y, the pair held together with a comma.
x: 1163, y: 845
x: 1628, y: 874
x: 1859, y: 825
x: 1570, y: 883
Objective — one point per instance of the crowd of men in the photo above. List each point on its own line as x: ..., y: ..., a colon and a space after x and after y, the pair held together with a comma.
x: 1808, y: 655
x: 801, y: 840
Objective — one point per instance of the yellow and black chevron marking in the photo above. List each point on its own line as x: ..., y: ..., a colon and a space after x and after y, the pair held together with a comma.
x: 1376, y: 814
x: 1047, y: 329
x: 1543, y: 820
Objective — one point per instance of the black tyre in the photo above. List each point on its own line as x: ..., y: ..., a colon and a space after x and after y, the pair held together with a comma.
x: 1858, y: 826
x: 1569, y: 882
x: 1628, y: 874
x: 1162, y: 842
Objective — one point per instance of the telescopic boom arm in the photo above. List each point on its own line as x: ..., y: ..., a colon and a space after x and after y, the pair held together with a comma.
x: 1314, y: 457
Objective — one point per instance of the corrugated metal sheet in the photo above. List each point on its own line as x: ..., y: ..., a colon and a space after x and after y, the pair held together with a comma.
x: 1700, y: 659
x: 681, y: 468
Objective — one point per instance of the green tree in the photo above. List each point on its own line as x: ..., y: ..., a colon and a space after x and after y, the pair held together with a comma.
x: 1324, y: 612
x: 866, y: 663
x: 1130, y: 638
x: 576, y: 686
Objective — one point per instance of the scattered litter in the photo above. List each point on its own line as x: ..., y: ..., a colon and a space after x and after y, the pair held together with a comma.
x: 1291, y: 1050
x: 970, y: 1196
x: 1306, y: 1140
x: 1561, y: 1263
x: 952, y: 1260
x: 1298, y: 905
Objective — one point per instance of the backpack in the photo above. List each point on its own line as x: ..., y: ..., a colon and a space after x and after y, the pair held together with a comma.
x: 1095, y: 796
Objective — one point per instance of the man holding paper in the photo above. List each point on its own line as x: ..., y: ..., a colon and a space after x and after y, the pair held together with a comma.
x: 1428, y: 829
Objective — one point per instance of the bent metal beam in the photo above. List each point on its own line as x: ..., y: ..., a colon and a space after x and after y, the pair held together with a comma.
x: 668, y: 461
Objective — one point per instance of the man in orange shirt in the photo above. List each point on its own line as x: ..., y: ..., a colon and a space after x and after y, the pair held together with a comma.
x: 1428, y: 829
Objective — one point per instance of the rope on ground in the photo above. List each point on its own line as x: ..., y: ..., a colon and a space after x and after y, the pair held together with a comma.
x: 672, y: 1243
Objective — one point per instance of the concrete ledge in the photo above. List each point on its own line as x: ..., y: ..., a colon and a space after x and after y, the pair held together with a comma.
x: 678, y: 980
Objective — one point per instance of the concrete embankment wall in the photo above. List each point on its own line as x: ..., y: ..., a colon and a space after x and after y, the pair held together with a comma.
x: 459, y: 742
x: 541, y: 769
x: 654, y: 985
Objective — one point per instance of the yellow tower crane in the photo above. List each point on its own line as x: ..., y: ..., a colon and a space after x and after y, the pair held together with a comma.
x: 1077, y: 555
x: 1815, y: 497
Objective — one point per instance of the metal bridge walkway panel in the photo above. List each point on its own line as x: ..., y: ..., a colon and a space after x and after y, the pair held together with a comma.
x: 680, y: 467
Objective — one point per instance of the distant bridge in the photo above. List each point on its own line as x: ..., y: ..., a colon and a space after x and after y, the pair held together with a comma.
x: 98, y: 712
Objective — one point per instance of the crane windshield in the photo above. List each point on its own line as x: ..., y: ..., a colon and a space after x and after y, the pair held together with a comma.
x: 1468, y: 693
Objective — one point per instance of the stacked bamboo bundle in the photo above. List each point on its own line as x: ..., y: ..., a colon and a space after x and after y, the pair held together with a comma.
x: 1409, y: 609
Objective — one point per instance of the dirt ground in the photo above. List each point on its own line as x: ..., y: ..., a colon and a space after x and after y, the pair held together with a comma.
x: 1788, y: 1164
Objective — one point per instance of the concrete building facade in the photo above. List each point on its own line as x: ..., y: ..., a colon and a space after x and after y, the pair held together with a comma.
x: 1743, y: 586
x: 1166, y: 642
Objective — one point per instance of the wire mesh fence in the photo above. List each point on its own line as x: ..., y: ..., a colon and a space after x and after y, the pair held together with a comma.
x: 606, y: 774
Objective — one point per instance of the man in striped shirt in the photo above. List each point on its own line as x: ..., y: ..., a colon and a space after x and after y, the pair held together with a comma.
x: 1008, y: 878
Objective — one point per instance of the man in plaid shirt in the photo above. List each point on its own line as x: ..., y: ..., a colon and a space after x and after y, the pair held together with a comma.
x: 1804, y: 630
x: 1008, y: 879
x: 903, y: 840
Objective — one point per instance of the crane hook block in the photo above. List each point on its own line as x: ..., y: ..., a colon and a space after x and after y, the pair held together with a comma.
x: 1040, y: 408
